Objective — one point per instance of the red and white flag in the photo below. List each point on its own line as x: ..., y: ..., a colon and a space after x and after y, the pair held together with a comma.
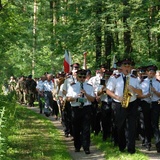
x: 67, y: 62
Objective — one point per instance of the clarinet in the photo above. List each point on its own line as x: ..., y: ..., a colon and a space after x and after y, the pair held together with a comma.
x: 82, y: 103
x: 150, y: 91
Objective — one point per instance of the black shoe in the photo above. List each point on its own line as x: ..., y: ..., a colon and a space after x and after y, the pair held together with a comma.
x: 158, y: 150
x: 87, y: 151
x: 77, y: 150
x: 66, y: 135
x: 148, y: 148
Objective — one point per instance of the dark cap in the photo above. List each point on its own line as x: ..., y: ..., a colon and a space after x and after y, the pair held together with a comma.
x: 152, y: 68
x: 88, y: 72
x: 118, y: 63
x: 61, y: 74
x: 75, y: 65
x: 127, y: 61
x: 103, y: 66
x: 30, y: 76
x: 81, y: 72
x: 108, y: 72
x: 141, y: 69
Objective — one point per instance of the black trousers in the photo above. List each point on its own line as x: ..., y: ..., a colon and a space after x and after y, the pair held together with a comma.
x: 95, y: 118
x: 81, y: 120
x: 41, y: 102
x: 155, y: 114
x: 125, y: 122
x: 55, y: 108
x: 67, y: 118
x: 31, y: 98
x: 146, y: 110
x: 106, y: 119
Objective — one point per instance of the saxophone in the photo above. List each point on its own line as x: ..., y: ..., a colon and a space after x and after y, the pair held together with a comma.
x: 127, y: 94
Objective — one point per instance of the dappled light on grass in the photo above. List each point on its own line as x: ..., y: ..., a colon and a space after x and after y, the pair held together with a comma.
x: 113, y: 153
x: 35, y: 138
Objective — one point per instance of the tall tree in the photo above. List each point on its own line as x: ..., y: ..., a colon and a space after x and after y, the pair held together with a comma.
x: 127, y: 32
x: 34, y: 35
x: 98, y: 30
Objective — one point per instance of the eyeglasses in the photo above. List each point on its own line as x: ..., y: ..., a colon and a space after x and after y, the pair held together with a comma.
x: 75, y: 67
x: 82, y: 76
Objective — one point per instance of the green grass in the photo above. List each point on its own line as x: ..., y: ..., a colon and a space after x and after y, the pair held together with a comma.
x: 35, y: 138
x: 113, y: 153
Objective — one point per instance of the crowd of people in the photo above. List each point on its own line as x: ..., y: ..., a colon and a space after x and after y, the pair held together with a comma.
x: 123, y: 103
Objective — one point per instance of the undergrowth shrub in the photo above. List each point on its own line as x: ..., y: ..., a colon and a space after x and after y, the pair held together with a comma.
x: 7, y: 120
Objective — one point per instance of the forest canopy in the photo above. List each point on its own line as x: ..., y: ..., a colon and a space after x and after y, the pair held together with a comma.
x: 35, y: 34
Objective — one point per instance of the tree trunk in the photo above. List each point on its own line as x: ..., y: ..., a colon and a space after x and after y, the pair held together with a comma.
x: 108, y: 42
x: 53, y: 30
x: 127, y: 32
x: 98, y: 32
x: 0, y: 5
x: 34, y: 37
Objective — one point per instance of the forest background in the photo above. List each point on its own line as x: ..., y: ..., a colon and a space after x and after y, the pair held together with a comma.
x: 35, y: 34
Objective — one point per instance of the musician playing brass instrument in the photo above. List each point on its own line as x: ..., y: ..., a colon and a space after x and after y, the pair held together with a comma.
x: 151, y: 107
x: 119, y: 89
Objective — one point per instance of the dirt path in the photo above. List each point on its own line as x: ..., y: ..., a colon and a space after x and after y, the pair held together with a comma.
x: 95, y: 153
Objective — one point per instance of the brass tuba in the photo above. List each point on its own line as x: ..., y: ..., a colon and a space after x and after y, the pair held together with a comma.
x: 127, y: 94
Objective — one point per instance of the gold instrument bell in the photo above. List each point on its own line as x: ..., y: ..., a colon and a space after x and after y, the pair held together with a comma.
x: 126, y: 94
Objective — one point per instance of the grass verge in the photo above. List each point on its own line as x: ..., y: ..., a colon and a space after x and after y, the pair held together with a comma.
x: 113, y: 153
x: 35, y: 138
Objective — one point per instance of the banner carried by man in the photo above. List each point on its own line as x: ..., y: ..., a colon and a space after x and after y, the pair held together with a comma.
x: 67, y: 62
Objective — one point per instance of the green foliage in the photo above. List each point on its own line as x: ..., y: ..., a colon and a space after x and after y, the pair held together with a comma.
x: 7, y: 121
x: 74, y: 25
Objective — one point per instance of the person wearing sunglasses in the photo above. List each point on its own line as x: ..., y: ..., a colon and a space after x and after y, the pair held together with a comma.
x: 81, y: 95
x: 96, y: 112
x: 151, y: 107
x: 71, y: 79
x: 105, y: 106
x: 125, y: 117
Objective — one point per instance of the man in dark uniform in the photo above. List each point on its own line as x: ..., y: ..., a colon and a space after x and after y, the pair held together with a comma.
x: 125, y: 88
x: 81, y: 95
x: 31, y: 90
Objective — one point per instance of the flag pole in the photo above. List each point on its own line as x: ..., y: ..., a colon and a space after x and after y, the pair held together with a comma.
x: 85, y: 60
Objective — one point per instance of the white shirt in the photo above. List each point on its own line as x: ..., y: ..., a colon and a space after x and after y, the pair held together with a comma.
x: 48, y: 86
x: 60, y: 93
x: 68, y: 82
x: 40, y: 85
x: 95, y: 82
x: 74, y: 91
x: 116, y: 84
x: 146, y: 89
x: 104, y: 96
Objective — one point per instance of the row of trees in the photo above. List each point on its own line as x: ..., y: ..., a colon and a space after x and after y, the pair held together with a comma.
x: 34, y: 34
